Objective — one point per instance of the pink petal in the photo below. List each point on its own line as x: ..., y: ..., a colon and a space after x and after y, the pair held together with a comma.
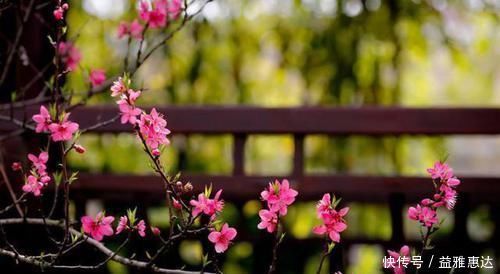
x: 334, y: 236
x: 320, y: 230
x: 339, y: 227
x: 214, y: 236
x: 231, y: 233
x: 220, y: 247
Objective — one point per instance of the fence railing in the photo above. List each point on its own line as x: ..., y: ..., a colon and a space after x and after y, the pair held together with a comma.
x: 240, y: 122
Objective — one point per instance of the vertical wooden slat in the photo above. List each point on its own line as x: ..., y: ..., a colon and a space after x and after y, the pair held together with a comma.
x: 396, y: 206
x: 298, y: 156
x: 460, y: 223
x: 495, y: 215
x: 239, y: 154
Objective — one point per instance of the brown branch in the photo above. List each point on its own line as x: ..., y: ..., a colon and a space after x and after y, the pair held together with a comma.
x: 16, y: 42
x: 35, y: 260
x: 11, y: 190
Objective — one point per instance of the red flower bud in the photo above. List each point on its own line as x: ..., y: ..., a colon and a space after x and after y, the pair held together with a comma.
x: 155, y: 231
x: 80, y: 149
x: 16, y: 166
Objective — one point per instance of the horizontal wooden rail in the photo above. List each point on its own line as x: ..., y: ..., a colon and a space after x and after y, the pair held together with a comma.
x: 240, y: 188
x: 302, y: 120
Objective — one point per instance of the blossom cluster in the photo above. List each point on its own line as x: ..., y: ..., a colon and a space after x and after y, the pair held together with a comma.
x: 152, y: 14
x: 61, y: 130
x: 394, y: 256
x: 60, y: 10
x: 37, y: 178
x: 152, y: 127
x: 333, y: 222
x: 445, y: 196
x: 207, y: 206
x: 278, y: 196
x: 70, y: 55
x: 204, y: 205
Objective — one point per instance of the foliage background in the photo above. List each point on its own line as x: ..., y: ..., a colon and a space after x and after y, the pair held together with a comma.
x: 278, y: 53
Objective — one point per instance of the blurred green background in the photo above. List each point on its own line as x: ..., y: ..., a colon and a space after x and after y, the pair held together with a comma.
x: 278, y: 53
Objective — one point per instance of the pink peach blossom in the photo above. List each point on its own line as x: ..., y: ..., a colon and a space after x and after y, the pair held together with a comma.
x: 32, y: 185
x: 279, y: 196
x: 441, y: 171
x: 424, y: 214
x: 221, y: 239
x: 128, y: 113
x: 155, y: 14
x: 206, y: 205
x: 63, y: 131
x: 99, y: 227
x: 404, y: 252
x: 123, y: 29
x: 268, y: 220
x: 133, y: 95
x: 136, y: 29
x: 39, y: 161
x: 122, y: 225
x: 69, y: 54
x: 174, y: 8
x: 45, y: 179
x: 333, y: 220
x: 42, y: 120
x: 118, y: 87
x: 141, y: 228
x: 153, y: 129
x: 97, y: 77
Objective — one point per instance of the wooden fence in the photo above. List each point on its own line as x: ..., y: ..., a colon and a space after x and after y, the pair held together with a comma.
x: 240, y: 122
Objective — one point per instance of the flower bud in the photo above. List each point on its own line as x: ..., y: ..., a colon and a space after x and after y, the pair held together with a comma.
x: 437, y: 197
x: 45, y: 179
x: 16, y: 166
x: 155, y: 231
x: 58, y: 13
x: 80, y: 149
x: 65, y: 6
x: 427, y: 202
x: 176, y: 204
x: 188, y: 187
x: 155, y: 152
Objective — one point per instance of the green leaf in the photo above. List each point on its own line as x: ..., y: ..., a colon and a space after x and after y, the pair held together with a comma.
x: 330, y: 247
x: 131, y: 215
x: 73, y: 177
x: 57, y: 177
x: 208, y: 190
x: 282, y: 236
x: 205, y: 260
x: 336, y: 203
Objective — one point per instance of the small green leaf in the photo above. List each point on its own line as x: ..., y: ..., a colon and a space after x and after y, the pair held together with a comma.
x: 330, y: 247
x: 282, y: 236
x: 74, y: 177
x: 337, y: 202
x: 205, y: 260
x: 131, y: 215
